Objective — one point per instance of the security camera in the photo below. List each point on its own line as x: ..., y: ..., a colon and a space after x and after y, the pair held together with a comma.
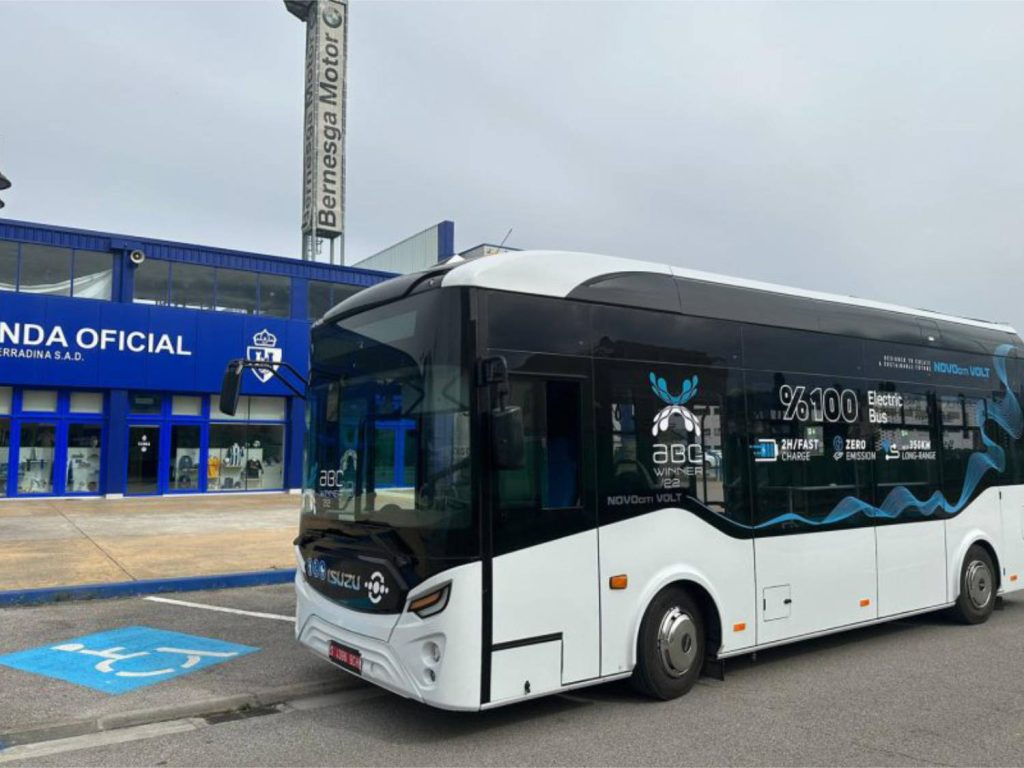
x: 136, y: 257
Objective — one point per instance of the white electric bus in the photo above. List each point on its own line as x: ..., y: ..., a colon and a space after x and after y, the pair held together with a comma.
x: 540, y: 470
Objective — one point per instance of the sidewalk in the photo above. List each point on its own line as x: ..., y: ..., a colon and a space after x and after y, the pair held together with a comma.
x: 67, y: 542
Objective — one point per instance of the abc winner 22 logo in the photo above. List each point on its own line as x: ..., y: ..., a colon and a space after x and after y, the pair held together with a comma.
x: 674, y: 405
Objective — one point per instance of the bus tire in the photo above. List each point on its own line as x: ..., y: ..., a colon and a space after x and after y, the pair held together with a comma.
x: 670, y: 646
x: 977, y: 595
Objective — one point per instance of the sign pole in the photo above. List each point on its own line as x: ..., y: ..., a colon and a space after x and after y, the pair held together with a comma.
x: 323, y: 155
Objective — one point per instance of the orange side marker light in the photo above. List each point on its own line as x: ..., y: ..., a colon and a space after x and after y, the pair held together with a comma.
x: 1013, y: 577
x: 739, y: 626
x: 618, y: 582
x: 865, y: 603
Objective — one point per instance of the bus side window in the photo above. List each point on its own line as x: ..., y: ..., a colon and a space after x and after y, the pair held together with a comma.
x: 542, y: 500
x: 550, y: 475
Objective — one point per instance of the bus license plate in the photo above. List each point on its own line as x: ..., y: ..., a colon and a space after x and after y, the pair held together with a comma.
x: 349, y: 658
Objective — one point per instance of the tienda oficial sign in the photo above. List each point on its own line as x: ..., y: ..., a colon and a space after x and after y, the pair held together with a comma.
x: 33, y: 341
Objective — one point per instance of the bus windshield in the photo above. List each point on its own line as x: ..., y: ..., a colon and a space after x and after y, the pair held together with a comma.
x: 389, y: 425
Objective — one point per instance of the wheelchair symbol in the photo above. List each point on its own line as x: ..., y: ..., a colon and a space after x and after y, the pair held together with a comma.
x: 112, y: 656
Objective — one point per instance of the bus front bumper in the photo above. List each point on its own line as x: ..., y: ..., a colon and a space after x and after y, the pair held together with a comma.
x: 402, y: 663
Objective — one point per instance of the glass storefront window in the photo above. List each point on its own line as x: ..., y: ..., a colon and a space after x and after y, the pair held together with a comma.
x: 84, y: 453
x: 246, y: 457
x: 39, y: 400
x: 192, y: 286
x: 187, y: 405
x: 266, y: 408
x: 241, y: 413
x: 8, y: 266
x: 275, y: 295
x: 45, y: 269
x: 185, y: 465
x: 236, y: 291
x: 5, y: 400
x: 264, y: 457
x: 145, y: 403
x: 5, y: 454
x: 225, y: 468
x: 152, y: 282
x: 86, y: 402
x: 35, y: 458
x: 94, y: 275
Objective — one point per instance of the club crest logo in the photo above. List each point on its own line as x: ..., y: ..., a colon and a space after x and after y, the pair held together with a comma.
x: 263, y: 349
x: 674, y: 405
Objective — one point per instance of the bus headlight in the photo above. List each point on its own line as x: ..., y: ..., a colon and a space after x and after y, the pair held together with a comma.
x: 432, y: 603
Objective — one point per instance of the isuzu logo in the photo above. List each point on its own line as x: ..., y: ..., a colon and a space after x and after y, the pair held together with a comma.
x: 376, y: 586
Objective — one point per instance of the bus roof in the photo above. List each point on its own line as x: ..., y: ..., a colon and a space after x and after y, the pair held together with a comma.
x: 561, y: 273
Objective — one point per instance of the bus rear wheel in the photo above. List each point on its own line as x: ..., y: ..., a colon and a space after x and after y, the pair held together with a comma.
x: 977, y: 587
x: 670, y: 646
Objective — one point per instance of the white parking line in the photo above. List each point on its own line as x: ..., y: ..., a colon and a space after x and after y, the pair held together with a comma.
x: 221, y: 609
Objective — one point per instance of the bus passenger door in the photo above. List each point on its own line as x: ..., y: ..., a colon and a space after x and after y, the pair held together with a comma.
x: 545, y: 612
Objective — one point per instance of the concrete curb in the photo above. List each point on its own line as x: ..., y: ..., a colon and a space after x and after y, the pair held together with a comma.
x: 208, y: 708
x: 144, y: 587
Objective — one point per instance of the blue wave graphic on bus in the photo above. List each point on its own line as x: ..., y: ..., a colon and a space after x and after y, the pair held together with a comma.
x: 1006, y: 413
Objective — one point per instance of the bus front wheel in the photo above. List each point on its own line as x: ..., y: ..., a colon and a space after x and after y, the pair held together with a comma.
x: 670, y: 647
x: 977, y: 587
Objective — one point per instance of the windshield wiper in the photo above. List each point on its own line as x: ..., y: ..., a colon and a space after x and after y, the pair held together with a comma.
x: 310, y: 536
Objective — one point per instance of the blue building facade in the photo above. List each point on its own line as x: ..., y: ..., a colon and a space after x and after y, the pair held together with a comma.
x: 112, y: 350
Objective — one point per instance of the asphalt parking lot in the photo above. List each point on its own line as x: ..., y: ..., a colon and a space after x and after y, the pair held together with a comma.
x: 920, y: 691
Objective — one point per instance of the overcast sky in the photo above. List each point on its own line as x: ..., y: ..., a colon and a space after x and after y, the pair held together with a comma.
x: 873, y: 149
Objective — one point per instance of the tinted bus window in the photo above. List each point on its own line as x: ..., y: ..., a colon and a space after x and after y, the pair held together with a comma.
x: 671, y: 436
x: 636, y: 334
x: 516, y: 321
x: 813, y: 447
x: 783, y: 349
x: 906, y: 444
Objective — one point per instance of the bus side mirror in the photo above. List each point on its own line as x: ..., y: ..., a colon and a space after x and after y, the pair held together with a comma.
x: 507, y: 438
x: 231, y: 387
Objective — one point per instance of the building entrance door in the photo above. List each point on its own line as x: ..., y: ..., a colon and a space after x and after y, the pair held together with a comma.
x: 143, y: 459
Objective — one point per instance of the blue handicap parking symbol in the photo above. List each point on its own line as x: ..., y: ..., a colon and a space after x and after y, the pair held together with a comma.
x: 125, y: 659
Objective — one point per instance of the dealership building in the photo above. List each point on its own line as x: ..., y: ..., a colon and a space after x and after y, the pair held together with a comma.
x: 112, y: 349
